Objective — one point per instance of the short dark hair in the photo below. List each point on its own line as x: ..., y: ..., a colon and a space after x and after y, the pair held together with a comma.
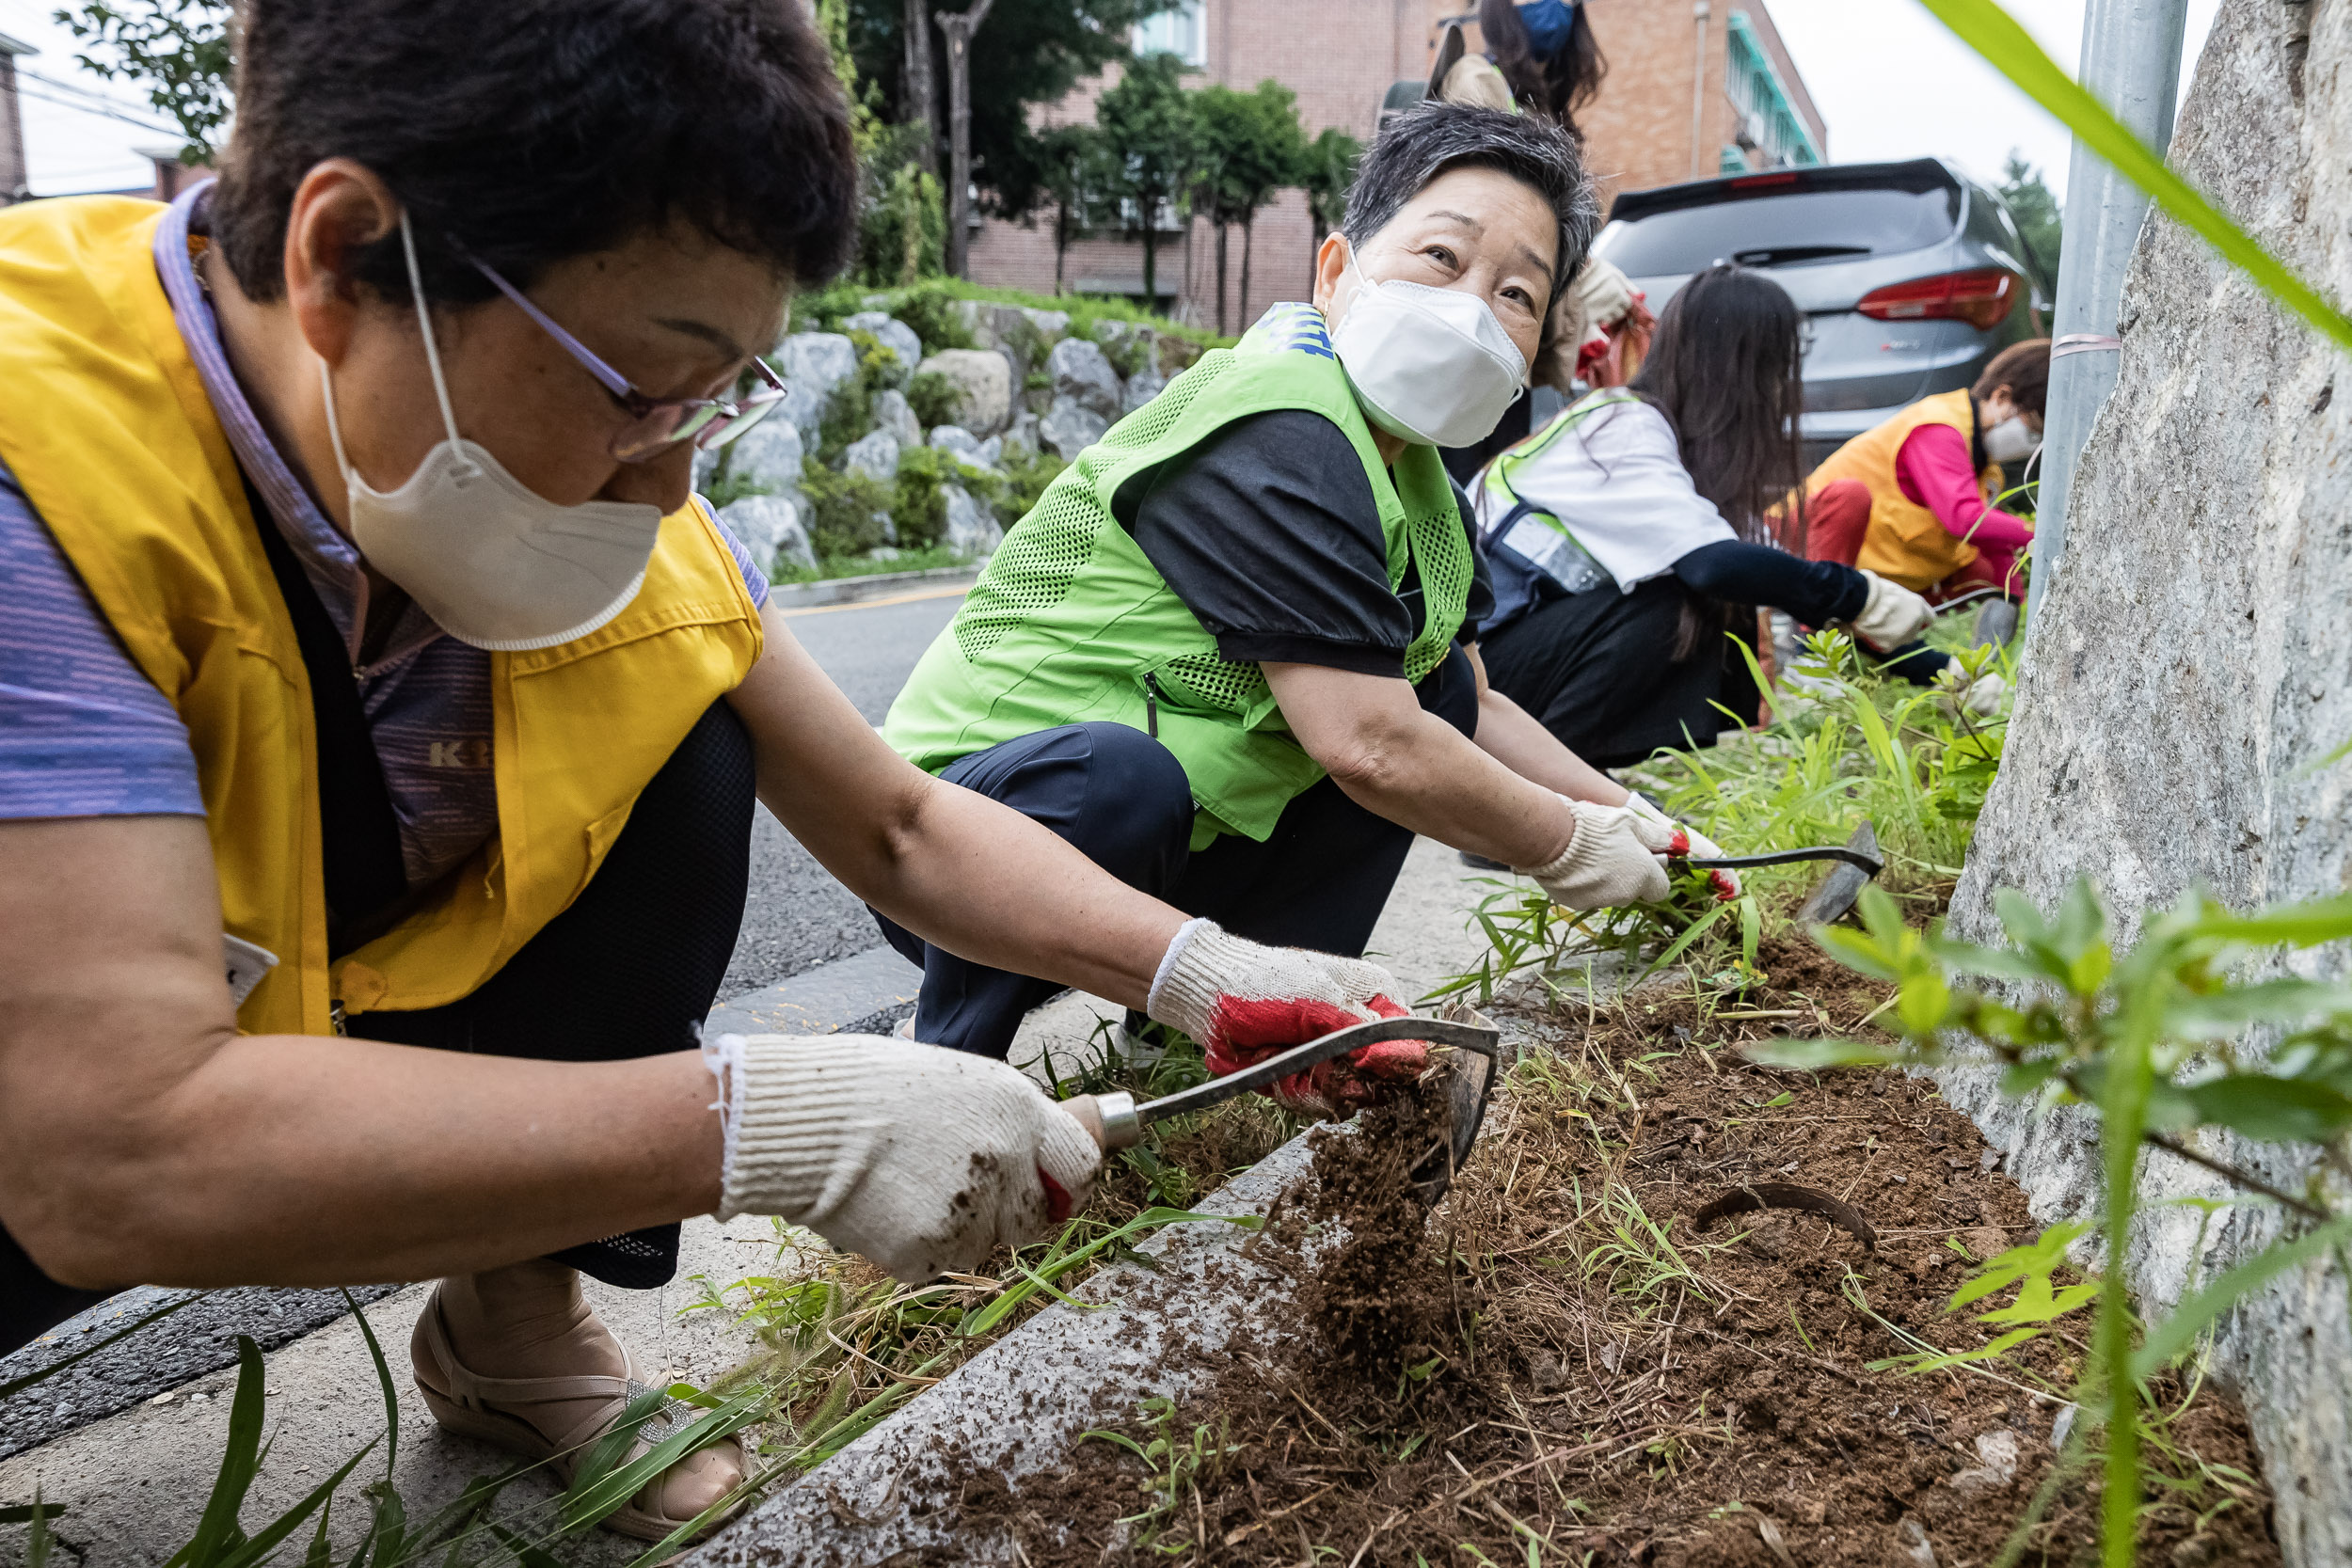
x: 534, y: 131
x: 1432, y: 138
x: 2025, y: 370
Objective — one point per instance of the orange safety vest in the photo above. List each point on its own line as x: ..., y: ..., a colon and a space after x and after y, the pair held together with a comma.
x: 106, y: 427
x: 1906, y: 542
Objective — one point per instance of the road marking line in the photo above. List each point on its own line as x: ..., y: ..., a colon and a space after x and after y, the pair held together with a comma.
x: 958, y: 591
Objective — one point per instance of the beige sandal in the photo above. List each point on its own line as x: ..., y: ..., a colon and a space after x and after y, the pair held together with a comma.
x: 476, y: 1406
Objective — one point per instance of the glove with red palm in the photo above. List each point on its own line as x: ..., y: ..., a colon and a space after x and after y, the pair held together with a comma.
x: 1244, y: 1002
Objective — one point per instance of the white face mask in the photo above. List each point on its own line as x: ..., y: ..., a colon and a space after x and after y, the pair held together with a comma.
x: 494, y: 563
x: 2011, y: 441
x: 1432, y: 366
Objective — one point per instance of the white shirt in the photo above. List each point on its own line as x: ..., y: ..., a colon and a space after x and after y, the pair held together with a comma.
x: 1617, y: 484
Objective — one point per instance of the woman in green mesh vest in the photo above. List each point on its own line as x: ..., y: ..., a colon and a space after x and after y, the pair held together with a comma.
x: 1231, y: 652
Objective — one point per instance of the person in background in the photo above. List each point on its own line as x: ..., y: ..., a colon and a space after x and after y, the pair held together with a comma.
x: 1912, y: 500
x: 1230, y: 654
x: 1546, y: 55
x: 1627, y: 536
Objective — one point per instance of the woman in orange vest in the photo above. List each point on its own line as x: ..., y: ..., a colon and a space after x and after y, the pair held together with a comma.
x: 1912, y: 500
x: 382, y: 719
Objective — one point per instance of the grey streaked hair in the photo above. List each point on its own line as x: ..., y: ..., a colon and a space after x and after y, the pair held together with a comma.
x: 1432, y: 138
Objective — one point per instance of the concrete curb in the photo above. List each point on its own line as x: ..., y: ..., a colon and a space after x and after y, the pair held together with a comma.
x: 803, y: 595
x: 866, y: 993
x: 1018, y: 1406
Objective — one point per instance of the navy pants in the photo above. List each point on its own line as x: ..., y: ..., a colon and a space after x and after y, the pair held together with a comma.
x: 1320, y: 881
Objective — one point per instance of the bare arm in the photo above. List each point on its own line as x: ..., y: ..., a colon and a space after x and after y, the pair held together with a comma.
x: 1372, y: 736
x: 953, y: 866
x: 143, y: 1139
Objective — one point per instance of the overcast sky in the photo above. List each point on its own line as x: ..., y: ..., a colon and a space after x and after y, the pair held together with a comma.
x: 1891, y: 82
x: 1894, y: 83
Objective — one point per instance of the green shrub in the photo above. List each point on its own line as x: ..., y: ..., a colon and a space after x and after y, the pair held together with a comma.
x: 727, y: 486
x: 850, y: 411
x: 1010, y: 494
x: 928, y: 308
x: 903, y: 230
x: 918, y: 507
x: 933, y: 398
x: 1126, y: 351
x: 845, y: 510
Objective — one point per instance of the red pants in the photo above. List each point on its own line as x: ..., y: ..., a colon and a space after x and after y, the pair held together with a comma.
x: 1837, y: 517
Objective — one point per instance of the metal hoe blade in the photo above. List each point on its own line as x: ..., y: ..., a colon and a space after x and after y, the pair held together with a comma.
x: 1843, y: 885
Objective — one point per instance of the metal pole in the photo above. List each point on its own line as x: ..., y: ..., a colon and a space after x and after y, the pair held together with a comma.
x: 1698, y: 89
x: 2131, y: 61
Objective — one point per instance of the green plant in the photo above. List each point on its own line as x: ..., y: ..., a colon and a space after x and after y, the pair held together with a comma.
x: 933, y: 398
x: 846, y: 510
x: 2155, y: 1043
x: 178, y: 50
x: 919, y: 505
x: 1176, y: 1465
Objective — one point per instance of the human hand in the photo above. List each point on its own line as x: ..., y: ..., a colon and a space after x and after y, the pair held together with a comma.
x: 1981, y: 696
x: 1690, y: 843
x: 919, y: 1158
x: 1891, y: 616
x: 1614, y: 856
x: 1243, y: 1002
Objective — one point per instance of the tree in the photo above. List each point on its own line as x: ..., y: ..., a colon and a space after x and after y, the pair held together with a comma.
x: 1032, y: 53
x: 2039, y: 217
x: 1328, y: 170
x: 918, y: 100
x: 1074, y: 170
x: 1147, y: 132
x: 1271, y: 157
x: 178, y: 50
x: 957, y: 28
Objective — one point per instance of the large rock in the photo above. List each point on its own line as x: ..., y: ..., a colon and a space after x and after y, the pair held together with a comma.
x: 875, y: 455
x: 2190, y: 666
x: 1021, y: 333
x: 1020, y: 437
x: 1070, y: 427
x: 772, y: 528
x: 983, y: 383
x: 972, y: 528
x: 964, y: 447
x: 891, y: 413
x: 812, y: 365
x: 1083, y: 374
x: 1142, y: 386
x: 894, y: 335
x: 769, y: 454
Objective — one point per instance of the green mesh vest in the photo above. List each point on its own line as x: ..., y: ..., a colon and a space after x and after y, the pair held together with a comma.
x: 1071, y: 623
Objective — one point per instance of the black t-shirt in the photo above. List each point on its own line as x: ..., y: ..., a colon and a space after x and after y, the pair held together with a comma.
x: 1269, y: 534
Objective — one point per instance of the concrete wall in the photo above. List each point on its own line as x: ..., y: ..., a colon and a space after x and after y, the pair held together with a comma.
x: 2192, y: 664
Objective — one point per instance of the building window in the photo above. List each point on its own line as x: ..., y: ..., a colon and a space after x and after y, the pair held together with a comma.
x: 1769, y: 123
x: 1183, y: 32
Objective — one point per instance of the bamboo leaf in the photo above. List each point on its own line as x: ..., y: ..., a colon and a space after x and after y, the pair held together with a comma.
x: 1988, y: 29
x: 2273, y: 1110
x: 252, y: 1552
x: 241, y: 1457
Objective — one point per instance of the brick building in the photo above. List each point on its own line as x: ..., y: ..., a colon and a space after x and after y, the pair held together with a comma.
x: 1694, y: 88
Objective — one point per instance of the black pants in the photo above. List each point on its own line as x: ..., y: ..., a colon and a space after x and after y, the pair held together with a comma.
x: 629, y: 970
x: 1320, y: 881
x: 1598, y: 669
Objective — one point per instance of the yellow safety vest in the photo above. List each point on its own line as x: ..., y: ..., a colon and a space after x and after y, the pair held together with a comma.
x: 106, y: 427
x: 1906, y: 542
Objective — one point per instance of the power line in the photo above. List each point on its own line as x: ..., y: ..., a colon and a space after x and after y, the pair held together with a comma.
x: 103, y: 113
x: 98, y: 101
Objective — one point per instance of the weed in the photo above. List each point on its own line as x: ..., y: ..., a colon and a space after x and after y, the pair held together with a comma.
x: 1177, y: 1466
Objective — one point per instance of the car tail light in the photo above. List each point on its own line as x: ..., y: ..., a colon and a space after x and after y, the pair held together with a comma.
x: 1981, y: 297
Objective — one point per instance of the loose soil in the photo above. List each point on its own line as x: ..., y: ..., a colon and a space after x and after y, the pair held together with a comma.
x: 1561, y: 1366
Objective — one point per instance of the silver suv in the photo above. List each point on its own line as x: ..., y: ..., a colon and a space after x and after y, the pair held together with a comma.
x: 1911, y: 274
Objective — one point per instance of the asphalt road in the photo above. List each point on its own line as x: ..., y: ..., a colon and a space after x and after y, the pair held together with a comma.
x: 796, y: 916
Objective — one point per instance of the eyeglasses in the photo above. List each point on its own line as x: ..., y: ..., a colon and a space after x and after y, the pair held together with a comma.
x: 654, y: 425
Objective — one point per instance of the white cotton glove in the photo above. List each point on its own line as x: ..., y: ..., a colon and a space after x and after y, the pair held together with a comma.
x: 1692, y: 842
x: 1615, y: 856
x: 1243, y: 1002
x: 1892, y: 615
x: 1982, y: 696
x: 920, y: 1158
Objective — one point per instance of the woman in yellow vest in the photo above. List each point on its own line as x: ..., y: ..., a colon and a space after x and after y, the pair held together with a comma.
x: 1912, y: 500
x: 381, y: 722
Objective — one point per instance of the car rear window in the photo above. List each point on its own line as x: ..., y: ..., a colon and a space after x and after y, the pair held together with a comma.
x: 1784, y: 228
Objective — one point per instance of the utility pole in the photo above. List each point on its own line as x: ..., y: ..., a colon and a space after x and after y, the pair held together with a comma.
x: 921, y: 95
x: 2131, y: 62
x: 958, y: 28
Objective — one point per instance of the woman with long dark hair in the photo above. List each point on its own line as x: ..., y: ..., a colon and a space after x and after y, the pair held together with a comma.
x: 1546, y: 53
x: 1627, y: 536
